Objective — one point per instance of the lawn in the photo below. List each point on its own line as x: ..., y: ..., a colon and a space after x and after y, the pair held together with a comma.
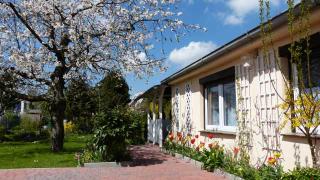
x: 38, y: 154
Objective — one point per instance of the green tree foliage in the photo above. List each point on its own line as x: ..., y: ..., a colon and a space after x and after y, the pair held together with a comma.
x: 112, y: 91
x: 7, y: 100
x: 80, y: 104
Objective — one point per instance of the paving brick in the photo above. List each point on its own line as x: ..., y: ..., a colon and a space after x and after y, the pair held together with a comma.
x: 148, y: 163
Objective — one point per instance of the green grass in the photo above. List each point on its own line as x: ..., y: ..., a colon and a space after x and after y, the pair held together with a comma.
x: 39, y: 155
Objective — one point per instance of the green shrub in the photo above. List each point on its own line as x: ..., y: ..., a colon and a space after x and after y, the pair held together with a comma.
x: 302, y: 174
x: 114, y: 130
x: 27, y: 130
x: 28, y: 125
x: 109, y: 140
x: 10, y: 120
x: 267, y: 172
x: 137, y: 127
x: 84, y: 125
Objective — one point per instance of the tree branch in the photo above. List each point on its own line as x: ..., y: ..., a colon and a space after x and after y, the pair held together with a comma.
x: 33, y: 32
x: 26, y: 76
x: 18, y: 95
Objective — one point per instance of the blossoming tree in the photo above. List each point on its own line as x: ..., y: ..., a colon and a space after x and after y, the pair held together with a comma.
x: 43, y: 44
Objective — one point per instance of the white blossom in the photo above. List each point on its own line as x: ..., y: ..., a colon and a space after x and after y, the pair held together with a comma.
x: 83, y: 36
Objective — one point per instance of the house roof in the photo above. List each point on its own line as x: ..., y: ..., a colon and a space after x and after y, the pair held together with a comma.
x: 276, y: 22
x: 146, y: 93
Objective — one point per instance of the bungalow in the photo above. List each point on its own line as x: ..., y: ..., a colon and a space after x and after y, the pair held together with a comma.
x: 205, y: 95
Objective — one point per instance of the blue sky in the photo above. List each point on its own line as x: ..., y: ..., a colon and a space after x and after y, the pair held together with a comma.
x: 224, y: 20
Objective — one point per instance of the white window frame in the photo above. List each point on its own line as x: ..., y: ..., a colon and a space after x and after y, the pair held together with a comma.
x: 221, y: 126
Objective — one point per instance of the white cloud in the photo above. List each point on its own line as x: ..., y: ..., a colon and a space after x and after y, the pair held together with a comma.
x: 239, y: 9
x: 192, y: 52
x: 233, y: 20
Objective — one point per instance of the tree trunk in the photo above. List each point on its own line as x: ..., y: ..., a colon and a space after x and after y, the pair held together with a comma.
x: 59, y: 106
x: 313, y: 151
x: 58, y: 128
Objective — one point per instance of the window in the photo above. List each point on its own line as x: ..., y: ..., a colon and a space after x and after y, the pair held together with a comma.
x: 220, y: 105
x: 308, y: 71
x: 312, y: 84
x: 313, y: 71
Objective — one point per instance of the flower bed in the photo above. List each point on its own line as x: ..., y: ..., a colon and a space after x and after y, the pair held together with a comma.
x: 199, y: 164
x: 220, y: 160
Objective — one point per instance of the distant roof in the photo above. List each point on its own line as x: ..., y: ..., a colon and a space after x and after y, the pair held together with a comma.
x: 276, y: 22
x: 145, y: 94
x: 34, y: 111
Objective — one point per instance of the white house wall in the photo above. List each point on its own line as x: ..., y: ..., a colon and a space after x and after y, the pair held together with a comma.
x: 262, y: 87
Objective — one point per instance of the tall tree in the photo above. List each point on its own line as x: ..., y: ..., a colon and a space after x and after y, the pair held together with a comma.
x: 112, y: 91
x: 80, y: 103
x: 45, y: 43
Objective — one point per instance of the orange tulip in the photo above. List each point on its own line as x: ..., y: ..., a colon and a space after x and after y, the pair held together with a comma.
x: 272, y: 161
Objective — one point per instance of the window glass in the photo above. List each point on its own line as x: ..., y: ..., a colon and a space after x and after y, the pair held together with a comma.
x: 314, y: 64
x: 221, y: 105
x: 213, y: 105
x: 229, y: 102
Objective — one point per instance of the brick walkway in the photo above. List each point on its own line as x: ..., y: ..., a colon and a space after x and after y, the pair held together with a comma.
x: 149, y: 163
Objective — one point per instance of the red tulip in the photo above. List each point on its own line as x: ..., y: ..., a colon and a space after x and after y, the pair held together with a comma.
x: 210, y: 136
x: 236, y: 150
x: 193, y: 140
x: 196, y: 136
x: 197, y: 148
x: 171, y: 137
x: 179, y: 134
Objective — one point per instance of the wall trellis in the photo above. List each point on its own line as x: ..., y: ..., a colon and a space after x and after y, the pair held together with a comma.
x: 243, y: 78
x: 176, y: 108
x: 188, y: 107
x: 267, y: 102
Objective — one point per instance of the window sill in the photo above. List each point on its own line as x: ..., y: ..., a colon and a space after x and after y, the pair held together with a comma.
x: 301, y: 135
x: 231, y: 133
